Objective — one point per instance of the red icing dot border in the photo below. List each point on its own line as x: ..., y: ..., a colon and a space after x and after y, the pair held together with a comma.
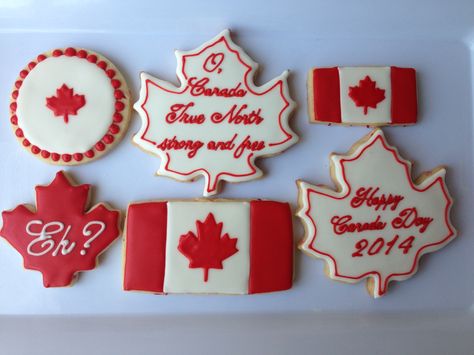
x: 116, y: 127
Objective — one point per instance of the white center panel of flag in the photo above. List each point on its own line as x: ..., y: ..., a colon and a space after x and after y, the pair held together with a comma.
x: 351, y: 77
x: 183, y: 218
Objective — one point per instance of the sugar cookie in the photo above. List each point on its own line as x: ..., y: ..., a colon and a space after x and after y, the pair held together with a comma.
x: 60, y: 237
x: 69, y: 106
x: 378, y: 223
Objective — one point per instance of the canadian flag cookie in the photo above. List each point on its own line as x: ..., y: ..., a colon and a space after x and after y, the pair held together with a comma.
x: 60, y: 237
x: 69, y: 106
x: 368, y: 96
x: 379, y: 222
x: 217, y: 122
x: 224, y: 246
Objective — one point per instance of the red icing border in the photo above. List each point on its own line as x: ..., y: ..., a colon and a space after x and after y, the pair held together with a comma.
x: 326, y: 95
x: 249, y: 159
x: 382, y: 287
x: 404, y: 108
x: 271, y: 247
x: 145, y: 247
x: 117, y: 119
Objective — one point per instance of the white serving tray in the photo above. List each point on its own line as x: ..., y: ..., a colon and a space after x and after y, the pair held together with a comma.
x: 430, y: 313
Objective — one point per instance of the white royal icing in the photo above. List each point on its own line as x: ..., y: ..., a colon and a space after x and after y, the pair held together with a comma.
x: 86, y: 231
x: 44, y: 239
x: 83, y: 130
x: 234, y: 277
x: 45, y: 242
x: 350, y: 77
x: 222, y: 64
x: 375, y: 164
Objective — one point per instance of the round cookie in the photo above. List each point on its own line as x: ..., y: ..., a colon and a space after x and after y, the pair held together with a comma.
x: 69, y: 106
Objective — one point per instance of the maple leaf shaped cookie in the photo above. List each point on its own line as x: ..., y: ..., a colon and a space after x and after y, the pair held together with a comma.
x: 65, y: 102
x: 208, y: 249
x: 218, y: 122
x: 379, y: 222
x: 60, y: 238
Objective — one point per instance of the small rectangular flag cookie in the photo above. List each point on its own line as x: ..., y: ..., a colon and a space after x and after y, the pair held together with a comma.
x: 225, y: 246
x: 369, y: 96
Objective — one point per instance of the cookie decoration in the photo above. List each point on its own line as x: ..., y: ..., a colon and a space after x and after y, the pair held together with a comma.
x: 70, y: 106
x: 60, y: 237
x: 224, y: 247
x: 368, y: 96
x: 217, y: 122
x: 379, y: 222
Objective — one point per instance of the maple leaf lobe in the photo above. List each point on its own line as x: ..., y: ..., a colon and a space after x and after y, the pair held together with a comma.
x: 208, y: 249
x: 72, y: 198
x: 366, y: 94
x: 65, y: 102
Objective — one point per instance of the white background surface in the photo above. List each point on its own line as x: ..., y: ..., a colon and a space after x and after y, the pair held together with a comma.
x: 430, y: 313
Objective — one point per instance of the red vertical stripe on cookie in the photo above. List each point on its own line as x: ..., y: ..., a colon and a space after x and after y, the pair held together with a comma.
x: 145, y: 249
x: 326, y: 95
x: 404, y: 104
x: 271, y: 247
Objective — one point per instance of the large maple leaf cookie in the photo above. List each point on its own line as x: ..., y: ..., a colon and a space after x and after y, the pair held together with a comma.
x: 379, y: 222
x: 60, y: 237
x: 218, y: 121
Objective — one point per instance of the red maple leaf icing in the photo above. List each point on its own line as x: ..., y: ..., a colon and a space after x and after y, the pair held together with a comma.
x: 60, y: 238
x: 366, y: 94
x: 208, y: 249
x: 65, y: 102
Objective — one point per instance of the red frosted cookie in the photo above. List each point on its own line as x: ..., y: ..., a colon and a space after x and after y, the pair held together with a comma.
x: 69, y: 106
x: 224, y: 246
x: 379, y: 222
x: 217, y: 122
x: 368, y: 96
x: 60, y: 237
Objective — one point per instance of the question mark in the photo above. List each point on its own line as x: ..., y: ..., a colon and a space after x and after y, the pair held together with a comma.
x: 87, y: 232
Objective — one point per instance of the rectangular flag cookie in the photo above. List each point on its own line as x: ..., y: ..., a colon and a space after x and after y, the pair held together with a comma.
x: 369, y: 96
x: 224, y: 246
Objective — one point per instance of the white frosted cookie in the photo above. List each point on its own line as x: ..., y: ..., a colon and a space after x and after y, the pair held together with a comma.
x: 379, y: 222
x: 217, y: 122
x: 69, y: 106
